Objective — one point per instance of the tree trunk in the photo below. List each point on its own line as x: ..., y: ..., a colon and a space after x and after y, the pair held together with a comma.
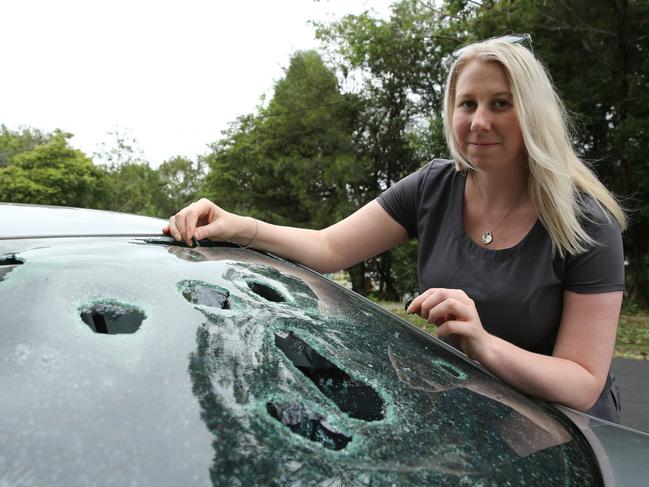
x: 357, y: 277
x: 387, y: 290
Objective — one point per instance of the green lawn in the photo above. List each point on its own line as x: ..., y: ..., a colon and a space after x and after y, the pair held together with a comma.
x: 632, y: 332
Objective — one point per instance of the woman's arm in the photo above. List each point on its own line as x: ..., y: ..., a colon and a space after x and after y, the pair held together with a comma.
x: 575, y: 373
x: 367, y: 232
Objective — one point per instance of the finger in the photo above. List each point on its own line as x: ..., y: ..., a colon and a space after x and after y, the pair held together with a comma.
x: 173, y: 229
x: 415, y: 304
x: 448, y: 309
x: 453, y: 327
x: 189, y: 224
x: 456, y: 333
x: 198, y: 214
x: 437, y: 297
x: 443, y: 319
x: 190, y: 216
x: 165, y: 229
x: 210, y: 231
x: 177, y: 223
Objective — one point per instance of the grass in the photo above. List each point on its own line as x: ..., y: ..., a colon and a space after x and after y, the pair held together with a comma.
x: 633, y: 336
x: 632, y: 331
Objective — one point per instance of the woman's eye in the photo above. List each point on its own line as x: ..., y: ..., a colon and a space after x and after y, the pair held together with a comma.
x: 501, y: 104
x: 467, y: 104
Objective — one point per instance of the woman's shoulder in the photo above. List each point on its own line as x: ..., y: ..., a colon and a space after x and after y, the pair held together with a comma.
x: 441, y: 165
x: 594, y: 214
x: 600, y: 268
x: 438, y: 169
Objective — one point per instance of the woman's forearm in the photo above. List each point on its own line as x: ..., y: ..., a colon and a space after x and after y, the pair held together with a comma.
x: 364, y: 234
x: 308, y: 247
x: 550, y: 378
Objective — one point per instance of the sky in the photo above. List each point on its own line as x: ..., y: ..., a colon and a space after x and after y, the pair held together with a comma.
x: 171, y: 74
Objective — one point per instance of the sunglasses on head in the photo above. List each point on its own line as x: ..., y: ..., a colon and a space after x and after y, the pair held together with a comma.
x: 523, y: 39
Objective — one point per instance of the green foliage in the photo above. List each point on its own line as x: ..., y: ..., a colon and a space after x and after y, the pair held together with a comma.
x: 134, y: 188
x: 41, y: 168
x: 294, y: 162
x: 401, y: 64
x: 404, y: 269
x: 15, y: 142
x: 181, y: 180
x: 51, y: 173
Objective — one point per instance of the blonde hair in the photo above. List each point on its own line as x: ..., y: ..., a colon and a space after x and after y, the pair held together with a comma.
x: 558, y: 179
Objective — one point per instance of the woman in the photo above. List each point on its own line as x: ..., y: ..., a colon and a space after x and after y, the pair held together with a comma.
x: 520, y: 253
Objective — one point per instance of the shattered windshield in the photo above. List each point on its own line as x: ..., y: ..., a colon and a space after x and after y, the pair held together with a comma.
x: 140, y: 361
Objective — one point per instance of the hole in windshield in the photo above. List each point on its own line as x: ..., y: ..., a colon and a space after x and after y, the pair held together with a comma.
x: 352, y: 396
x: 451, y: 370
x: 7, y: 264
x: 266, y: 292
x: 206, y: 294
x: 308, y: 424
x: 112, y: 318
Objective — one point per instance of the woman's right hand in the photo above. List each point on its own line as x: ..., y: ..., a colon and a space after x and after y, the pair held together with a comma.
x: 204, y: 220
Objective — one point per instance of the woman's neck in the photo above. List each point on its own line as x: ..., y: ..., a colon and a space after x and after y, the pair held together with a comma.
x: 498, y: 191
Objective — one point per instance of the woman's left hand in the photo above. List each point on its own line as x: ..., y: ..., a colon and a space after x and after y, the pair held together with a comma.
x: 456, y: 316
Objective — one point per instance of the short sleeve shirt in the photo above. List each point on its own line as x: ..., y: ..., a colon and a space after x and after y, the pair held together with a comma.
x: 518, y: 291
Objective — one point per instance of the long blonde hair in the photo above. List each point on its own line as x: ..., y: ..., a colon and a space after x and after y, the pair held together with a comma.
x: 558, y: 179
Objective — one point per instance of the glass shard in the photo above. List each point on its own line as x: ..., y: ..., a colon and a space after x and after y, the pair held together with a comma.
x: 352, y: 396
x: 308, y: 424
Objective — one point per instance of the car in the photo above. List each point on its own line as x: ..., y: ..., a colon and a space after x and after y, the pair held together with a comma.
x: 128, y: 358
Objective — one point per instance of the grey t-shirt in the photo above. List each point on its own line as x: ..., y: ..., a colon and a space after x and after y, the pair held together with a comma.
x: 518, y: 291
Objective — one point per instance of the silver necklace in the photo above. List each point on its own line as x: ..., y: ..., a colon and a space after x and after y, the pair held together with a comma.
x: 488, y: 236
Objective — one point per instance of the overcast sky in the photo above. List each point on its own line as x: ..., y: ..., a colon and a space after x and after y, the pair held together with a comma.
x: 172, y: 73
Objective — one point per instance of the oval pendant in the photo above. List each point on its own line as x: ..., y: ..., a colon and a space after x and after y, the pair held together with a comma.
x: 487, y: 238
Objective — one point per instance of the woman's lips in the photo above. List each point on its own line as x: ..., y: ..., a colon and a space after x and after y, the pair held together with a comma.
x: 482, y: 145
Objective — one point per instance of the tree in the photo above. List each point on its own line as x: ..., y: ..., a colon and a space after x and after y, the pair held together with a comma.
x: 122, y: 148
x: 51, y: 173
x: 15, y: 142
x: 397, y: 68
x: 130, y: 184
x: 181, y: 180
x: 293, y: 162
x: 134, y: 188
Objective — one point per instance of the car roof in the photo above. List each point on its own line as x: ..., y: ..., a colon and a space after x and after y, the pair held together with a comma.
x: 31, y: 221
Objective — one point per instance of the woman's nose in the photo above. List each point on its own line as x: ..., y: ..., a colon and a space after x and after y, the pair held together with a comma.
x: 481, y: 120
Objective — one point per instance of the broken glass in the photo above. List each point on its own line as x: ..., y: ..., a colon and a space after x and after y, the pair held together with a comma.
x: 246, y: 370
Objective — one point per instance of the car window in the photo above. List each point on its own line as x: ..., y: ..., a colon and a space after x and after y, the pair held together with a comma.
x: 129, y: 359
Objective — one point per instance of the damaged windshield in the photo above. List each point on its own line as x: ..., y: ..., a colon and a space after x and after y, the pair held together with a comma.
x: 130, y: 360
